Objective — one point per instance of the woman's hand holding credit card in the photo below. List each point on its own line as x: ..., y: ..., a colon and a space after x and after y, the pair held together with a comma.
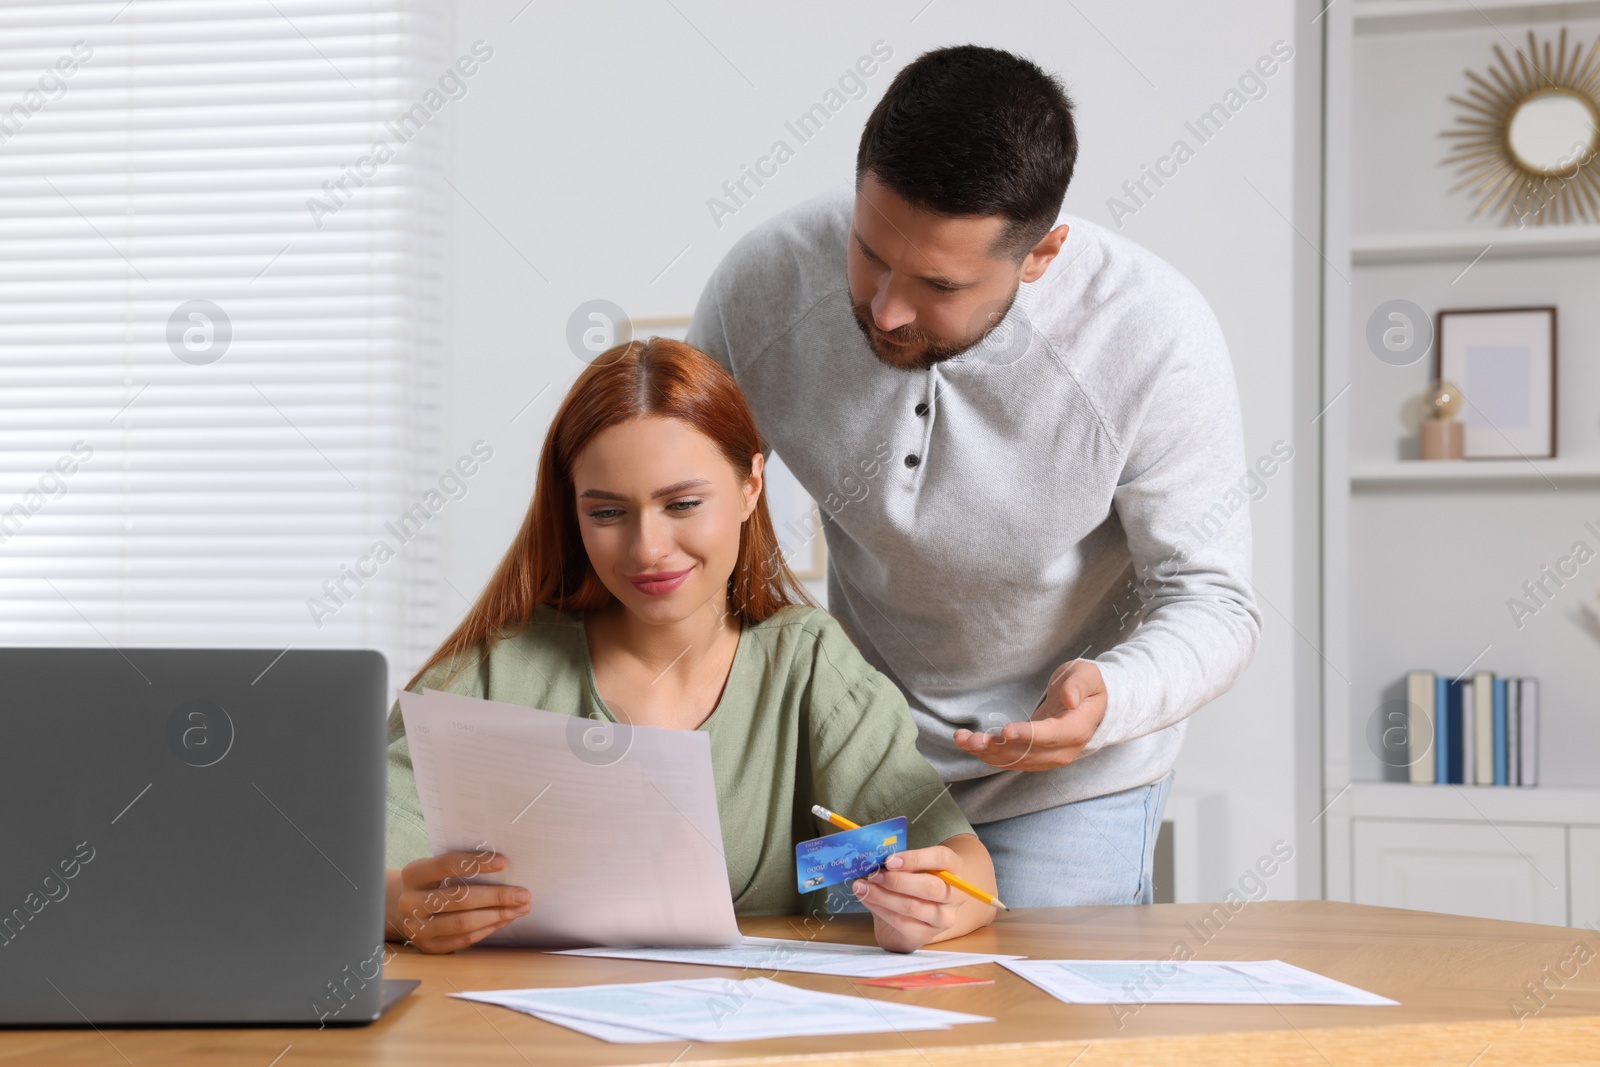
x: 915, y: 895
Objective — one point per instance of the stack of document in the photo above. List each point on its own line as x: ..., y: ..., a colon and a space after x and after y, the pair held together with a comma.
x: 803, y: 957
x: 716, y: 1009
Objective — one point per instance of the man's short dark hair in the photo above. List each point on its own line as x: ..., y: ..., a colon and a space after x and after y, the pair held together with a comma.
x: 968, y: 130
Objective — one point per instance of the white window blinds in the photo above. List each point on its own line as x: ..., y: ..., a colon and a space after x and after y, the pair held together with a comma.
x: 219, y: 323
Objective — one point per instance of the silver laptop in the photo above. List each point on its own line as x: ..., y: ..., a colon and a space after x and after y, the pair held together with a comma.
x: 191, y: 837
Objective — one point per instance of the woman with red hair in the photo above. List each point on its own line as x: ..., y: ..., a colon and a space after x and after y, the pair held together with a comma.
x: 646, y: 586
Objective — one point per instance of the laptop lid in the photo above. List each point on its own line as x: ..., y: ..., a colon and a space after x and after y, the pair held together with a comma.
x: 191, y: 836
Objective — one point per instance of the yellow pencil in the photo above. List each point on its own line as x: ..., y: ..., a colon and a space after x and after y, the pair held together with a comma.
x: 954, y: 881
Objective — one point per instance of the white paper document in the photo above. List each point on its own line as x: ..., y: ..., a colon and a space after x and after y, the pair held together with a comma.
x: 716, y: 1009
x: 804, y: 957
x: 1187, y: 982
x: 613, y: 829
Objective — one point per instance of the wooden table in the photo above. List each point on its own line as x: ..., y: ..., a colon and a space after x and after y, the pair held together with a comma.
x: 1456, y: 980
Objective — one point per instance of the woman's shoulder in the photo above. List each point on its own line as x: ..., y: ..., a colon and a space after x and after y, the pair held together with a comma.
x: 545, y: 643
x: 549, y: 636
x: 548, y: 621
x: 795, y: 620
x: 808, y: 639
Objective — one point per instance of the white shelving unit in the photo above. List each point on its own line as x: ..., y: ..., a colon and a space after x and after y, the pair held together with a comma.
x: 1419, y: 559
x: 1456, y: 246
x: 1510, y: 471
x: 1381, y: 15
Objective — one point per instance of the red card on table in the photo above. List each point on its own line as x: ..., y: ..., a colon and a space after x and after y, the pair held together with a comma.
x: 932, y: 980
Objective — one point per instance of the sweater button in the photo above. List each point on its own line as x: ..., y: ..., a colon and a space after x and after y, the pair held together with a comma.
x: 921, y: 409
x: 913, y: 459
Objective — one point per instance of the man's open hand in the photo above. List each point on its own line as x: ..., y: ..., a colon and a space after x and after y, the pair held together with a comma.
x: 1073, y: 705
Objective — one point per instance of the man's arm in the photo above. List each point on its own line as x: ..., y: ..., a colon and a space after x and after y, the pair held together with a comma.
x: 1184, y: 504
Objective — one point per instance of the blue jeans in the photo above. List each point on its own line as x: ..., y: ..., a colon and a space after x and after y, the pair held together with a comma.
x: 1095, y: 851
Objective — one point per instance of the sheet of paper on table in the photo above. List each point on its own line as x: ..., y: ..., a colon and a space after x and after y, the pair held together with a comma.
x: 804, y: 957
x: 1187, y: 982
x: 716, y: 1009
x: 613, y: 829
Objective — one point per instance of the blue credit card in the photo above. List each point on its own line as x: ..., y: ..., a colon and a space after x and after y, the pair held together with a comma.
x: 848, y: 854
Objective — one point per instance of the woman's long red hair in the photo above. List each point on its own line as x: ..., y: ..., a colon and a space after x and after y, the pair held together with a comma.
x: 547, y: 563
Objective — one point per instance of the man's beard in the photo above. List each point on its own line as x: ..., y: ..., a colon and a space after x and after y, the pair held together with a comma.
x: 917, y: 350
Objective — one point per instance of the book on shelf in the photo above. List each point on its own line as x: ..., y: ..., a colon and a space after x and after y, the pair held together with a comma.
x: 1482, y: 730
x: 1440, y: 728
x: 1455, y: 758
x: 1513, y: 730
x: 1499, y: 772
x: 1419, y: 724
x: 1529, y: 726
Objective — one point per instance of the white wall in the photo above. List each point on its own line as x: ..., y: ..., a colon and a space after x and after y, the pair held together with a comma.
x: 588, y: 147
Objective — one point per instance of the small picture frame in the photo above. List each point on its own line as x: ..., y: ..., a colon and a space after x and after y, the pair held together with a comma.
x: 1504, y: 362
x: 674, y: 327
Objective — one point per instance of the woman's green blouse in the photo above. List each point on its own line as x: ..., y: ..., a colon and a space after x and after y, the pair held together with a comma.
x: 803, y: 720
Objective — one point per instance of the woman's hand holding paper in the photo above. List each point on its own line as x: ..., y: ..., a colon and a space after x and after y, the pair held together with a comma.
x: 428, y: 905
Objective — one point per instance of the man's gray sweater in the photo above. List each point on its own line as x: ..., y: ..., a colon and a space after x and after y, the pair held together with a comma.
x: 1073, y: 487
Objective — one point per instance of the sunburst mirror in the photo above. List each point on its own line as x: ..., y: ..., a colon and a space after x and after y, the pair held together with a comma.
x: 1527, y: 140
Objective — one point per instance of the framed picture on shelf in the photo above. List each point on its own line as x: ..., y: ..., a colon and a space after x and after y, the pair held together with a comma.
x: 795, y: 516
x: 675, y: 327
x: 1504, y: 362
